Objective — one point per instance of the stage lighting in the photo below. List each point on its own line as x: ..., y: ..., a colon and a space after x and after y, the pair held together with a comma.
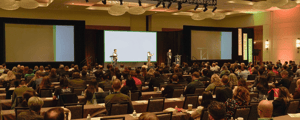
x: 140, y: 3
x: 170, y: 4
x: 196, y: 6
x: 86, y: 0
x: 104, y: 2
x: 179, y: 5
x: 215, y: 8
x: 121, y: 2
x: 158, y: 3
x: 164, y: 5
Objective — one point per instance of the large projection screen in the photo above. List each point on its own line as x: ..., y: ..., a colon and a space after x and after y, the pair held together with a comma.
x: 211, y: 45
x: 39, y: 43
x: 131, y: 46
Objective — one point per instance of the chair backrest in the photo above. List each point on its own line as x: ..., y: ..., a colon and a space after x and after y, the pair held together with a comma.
x: 164, y: 115
x: 108, y: 88
x: 293, y: 86
x: 28, y: 78
x: 156, y: 104
x: 46, y: 93
x: 177, y: 93
x: 68, y: 98
x: 53, y: 79
x: 204, y: 115
x: 218, y: 87
x: 113, y: 118
x: 254, y: 94
x: 135, y: 95
x: 118, y: 108
x: 251, y: 77
x: 18, y: 100
x: 77, y: 91
x: 242, y: 112
x: 100, y: 96
x: 8, y: 94
x: 253, y: 115
x: 18, y: 110
x: 199, y: 91
x: 190, y: 99
x: 76, y: 110
x: 292, y: 106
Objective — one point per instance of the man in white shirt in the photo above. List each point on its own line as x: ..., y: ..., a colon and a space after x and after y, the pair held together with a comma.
x: 214, y: 67
x: 244, y: 73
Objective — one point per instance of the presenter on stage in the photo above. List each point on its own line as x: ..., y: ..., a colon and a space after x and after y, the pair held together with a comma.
x: 115, y: 58
x: 149, y: 57
x: 169, y: 57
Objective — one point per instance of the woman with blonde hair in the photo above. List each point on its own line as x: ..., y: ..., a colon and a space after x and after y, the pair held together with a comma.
x: 241, y: 97
x: 10, y: 76
x: 215, y: 82
x: 232, y: 79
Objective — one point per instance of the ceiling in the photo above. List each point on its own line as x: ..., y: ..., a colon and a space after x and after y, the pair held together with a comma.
x: 229, y: 7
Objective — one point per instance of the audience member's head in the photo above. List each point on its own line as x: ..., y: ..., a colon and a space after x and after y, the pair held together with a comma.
x: 206, y: 99
x: 265, y: 109
x: 217, y: 111
x: 284, y: 74
x: 64, y: 82
x: 45, y: 82
x: 241, y: 94
x: 35, y: 104
x: 131, y: 84
x: 175, y: 78
x: 148, y: 116
x: 215, y: 79
x: 225, y: 79
x: 26, y: 95
x: 133, y: 73
x: 76, y: 75
x: 89, y: 93
x: 242, y: 82
x: 84, y: 72
x: 55, y: 114
x: 116, y: 85
x: 195, y: 75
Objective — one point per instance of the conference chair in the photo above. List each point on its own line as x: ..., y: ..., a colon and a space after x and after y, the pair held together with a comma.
x: 135, y: 95
x: 113, y: 118
x: 251, y: 77
x: 164, y: 115
x: 190, y: 99
x: 293, y: 86
x: 156, y: 104
x: 199, y: 91
x: 119, y: 108
x: 53, y: 79
x: 100, y: 96
x: 76, y: 110
x: 78, y: 91
x: 292, y: 106
x: 253, y: 115
x: 8, y: 94
x: 177, y: 92
x: 68, y: 98
x: 242, y: 112
x: 46, y: 93
x: 18, y: 100
x: 204, y: 115
x: 217, y: 88
x: 18, y: 110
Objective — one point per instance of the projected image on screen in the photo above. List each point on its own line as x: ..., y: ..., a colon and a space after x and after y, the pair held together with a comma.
x: 211, y: 45
x: 39, y: 43
x: 131, y: 46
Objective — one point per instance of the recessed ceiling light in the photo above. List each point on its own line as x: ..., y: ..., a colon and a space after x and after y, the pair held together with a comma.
x: 67, y: 6
x: 72, y: 3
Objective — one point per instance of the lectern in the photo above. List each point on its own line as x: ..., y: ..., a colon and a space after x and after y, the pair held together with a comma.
x: 113, y: 60
x: 177, y: 59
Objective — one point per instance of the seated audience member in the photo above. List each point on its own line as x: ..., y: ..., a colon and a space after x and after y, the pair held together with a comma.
x: 224, y: 71
x: 262, y: 86
x: 53, y: 74
x: 76, y: 82
x: 145, y: 65
x: 205, y: 79
x: 89, y: 95
x: 280, y: 104
x: 61, y: 71
x: 63, y: 88
x: 117, y: 97
x: 4, y: 74
x: 244, y: 73
x: 297, y: 92
x: 45, y: 84
x: 29, y: 73
x: 217, y: 111
x: 169, y: 89
x: 106, y: 83
x: 84, y: 75
x: 257, y: 79
x: 155, y: 81
x: 47, y: 71
x: 18, y: 92
x: 133, y: 77
x: 38, y: 78
x: 224, y: 80
x: 241, y: 97
x: 56, y: 114
x: 242, y: 83
x: 121, y: 68
x: 273, y: 92
x: 232, y: 79
x: 206, y: 100
x: 285, y: 82
x: 191, y: 87
x: 25, y: 97
x: 139, y: 76
x: 95, y: 86
x: 148, y: 116
x: 35, y: 104
x: 222, y: 94
x: 215, y: 81
x: 265, y: 109
x: 130, y: 86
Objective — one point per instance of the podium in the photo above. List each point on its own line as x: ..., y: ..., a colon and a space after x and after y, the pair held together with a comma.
x: 177, y: 59
x: 113, y: 60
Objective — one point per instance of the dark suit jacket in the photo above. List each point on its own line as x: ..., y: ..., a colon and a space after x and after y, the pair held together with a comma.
x: 191, y: 87
x: 278, y: 107
x: 154, y: 82
x: 223, y: 94
x: 284, y: 82
x: 77, y: 83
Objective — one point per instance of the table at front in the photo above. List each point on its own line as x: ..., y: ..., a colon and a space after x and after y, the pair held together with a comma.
x: 286, y: 117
